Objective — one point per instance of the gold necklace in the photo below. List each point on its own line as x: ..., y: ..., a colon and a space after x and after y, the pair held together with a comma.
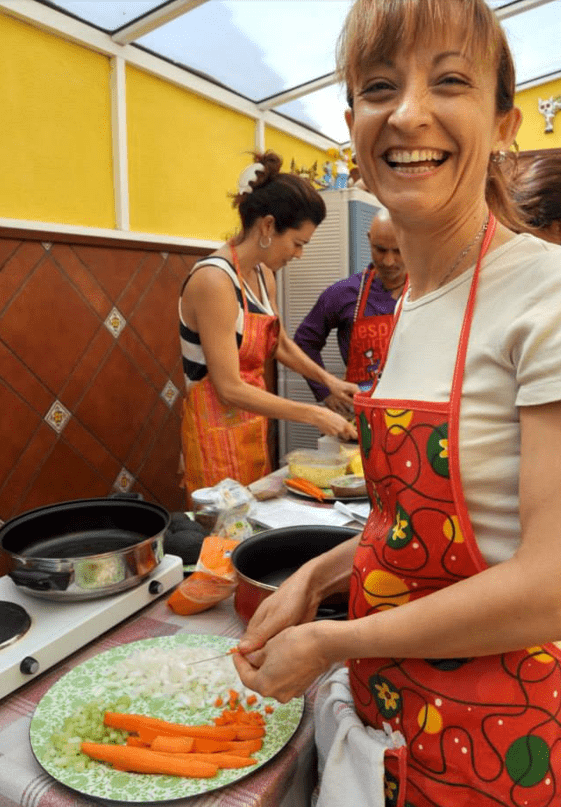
x: 464, y: 252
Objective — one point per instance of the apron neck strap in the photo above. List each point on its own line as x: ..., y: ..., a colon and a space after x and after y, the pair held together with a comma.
x: 363, y: 291
x: 236, y: 262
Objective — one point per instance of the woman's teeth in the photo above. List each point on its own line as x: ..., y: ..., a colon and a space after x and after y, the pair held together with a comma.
x: 416, y: 161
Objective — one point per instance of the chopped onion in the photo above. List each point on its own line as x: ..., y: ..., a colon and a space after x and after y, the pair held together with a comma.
x: 155, y: 671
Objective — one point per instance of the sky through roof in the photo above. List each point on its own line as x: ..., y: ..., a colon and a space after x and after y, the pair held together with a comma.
x: 260, y: 48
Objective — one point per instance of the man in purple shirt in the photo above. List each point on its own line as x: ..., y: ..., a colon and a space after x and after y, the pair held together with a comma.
x: 379, y: 286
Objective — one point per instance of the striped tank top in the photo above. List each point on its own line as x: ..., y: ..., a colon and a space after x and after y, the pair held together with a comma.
x: 194, y: 363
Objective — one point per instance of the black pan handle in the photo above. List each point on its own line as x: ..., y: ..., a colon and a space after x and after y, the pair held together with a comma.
x: 41, y: 581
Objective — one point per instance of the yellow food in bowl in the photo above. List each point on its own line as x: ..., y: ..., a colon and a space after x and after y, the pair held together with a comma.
x: 316, y: 467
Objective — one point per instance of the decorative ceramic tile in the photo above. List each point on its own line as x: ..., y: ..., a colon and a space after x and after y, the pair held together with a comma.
x: 115, y: 322
x: 169, y: 393
x: 46, y: 245
x: 124, y: 481
x: 57, y: 417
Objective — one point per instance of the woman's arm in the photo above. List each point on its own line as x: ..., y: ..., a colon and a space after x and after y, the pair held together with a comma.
x: 210, y: 307
x: 510, y: 606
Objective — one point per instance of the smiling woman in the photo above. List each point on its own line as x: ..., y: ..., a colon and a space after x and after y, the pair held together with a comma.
x: 450, y: 640
x: 229, y: 327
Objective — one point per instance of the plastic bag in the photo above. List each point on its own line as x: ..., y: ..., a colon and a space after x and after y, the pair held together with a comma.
x: 234, y: 503
x: 213, y: 580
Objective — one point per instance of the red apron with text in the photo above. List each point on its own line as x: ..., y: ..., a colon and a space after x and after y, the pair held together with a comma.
x: 480, y: 732
x: 369, y: 338
x: 222, y: 442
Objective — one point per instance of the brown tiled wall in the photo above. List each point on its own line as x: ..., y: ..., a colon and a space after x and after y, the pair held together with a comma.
x: 90, y: 373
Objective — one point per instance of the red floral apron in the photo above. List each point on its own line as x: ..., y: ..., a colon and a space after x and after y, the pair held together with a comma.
x: 480, y: 732
x: 220, y: 441
x: 369, y: 338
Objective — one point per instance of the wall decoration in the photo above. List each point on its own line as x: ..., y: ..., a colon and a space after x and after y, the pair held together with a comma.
x: 548, y: 108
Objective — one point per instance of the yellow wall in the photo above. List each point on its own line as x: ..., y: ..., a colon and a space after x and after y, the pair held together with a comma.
x: 531, y: 135
x: 185, y: 155
x: 304, y: 154
x: 55, y: 136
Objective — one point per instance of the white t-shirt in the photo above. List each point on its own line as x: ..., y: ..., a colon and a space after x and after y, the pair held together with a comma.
x: 513, y: 360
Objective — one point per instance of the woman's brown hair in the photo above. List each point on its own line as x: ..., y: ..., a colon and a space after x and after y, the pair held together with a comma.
x: 289, y: 198
x: 375, y: 29
x: 537, y: 190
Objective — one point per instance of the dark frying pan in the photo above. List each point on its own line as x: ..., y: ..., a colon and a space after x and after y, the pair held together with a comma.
x: 84, y: 548
x: 266, y: 559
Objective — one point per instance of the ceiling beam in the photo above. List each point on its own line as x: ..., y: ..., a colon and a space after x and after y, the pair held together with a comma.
x: 518, y: 7
x: 154, y: 19
x: 297, y: 92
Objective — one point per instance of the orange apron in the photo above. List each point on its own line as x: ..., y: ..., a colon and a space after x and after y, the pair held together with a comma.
x: 369, y: 338
x: 480, y: 732
x: 222, y: 442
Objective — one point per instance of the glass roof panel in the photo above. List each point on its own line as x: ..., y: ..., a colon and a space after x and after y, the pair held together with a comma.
x: 257, y: 49
x: 107, y: 14
x: 535, y: 39
x: 325, y: 109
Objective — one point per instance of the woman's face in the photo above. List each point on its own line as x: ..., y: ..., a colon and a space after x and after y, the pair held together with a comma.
x: 288, y: 245
x: 424, y: 125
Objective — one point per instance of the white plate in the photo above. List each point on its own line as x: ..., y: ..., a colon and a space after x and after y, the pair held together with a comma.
x: 87, y: 682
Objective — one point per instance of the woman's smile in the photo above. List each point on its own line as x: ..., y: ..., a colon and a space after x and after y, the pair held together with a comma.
x: 415, y: 161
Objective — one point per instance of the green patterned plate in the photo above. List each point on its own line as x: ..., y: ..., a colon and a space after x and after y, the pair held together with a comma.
x: 88, y: 682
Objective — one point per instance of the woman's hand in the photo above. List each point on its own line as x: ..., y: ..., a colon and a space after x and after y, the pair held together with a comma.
x: 292, y: 604
x: 288, y: 664
x: 342, y: 391
x: 337, y: 405
x: 334, y: 424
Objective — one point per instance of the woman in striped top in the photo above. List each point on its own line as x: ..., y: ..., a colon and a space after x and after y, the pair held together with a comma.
x: 229, y: 327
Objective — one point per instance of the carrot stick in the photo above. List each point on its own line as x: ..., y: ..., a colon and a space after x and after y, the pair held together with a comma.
x: 136, y: 742
x: 206, y: 746
x: 304, y: 486
x: 249, y: 732
x: 222, y: 759
x: 178, y: 745
x: 143, y: 725
x: 143, y: 760
x: 243, y: 747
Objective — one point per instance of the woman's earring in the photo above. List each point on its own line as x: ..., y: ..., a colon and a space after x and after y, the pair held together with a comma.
x: 498, y: 157
x: 267, y: 245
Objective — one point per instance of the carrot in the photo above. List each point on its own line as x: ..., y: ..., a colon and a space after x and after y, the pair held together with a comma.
x: 269, y: 709
x: 304, y: 486
x: 251, y: 700
x: 143, y: 760
x: 144, y: 726
x: 242, y: 748
x: 249, y: 732
x: 136, y: 742
x: 206, y: 746
x: 222, y: 759
x: 218, y: 702
x: 177, y: 745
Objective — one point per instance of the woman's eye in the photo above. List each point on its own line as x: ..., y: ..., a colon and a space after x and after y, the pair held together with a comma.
x: 379, y: 86
x: 454, y: 81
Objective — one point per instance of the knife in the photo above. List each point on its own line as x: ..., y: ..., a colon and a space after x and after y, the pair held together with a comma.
x: 215, y: 658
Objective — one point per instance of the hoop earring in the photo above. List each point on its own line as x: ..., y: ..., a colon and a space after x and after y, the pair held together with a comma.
x: 498, y: 157
x: 265, y: 246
